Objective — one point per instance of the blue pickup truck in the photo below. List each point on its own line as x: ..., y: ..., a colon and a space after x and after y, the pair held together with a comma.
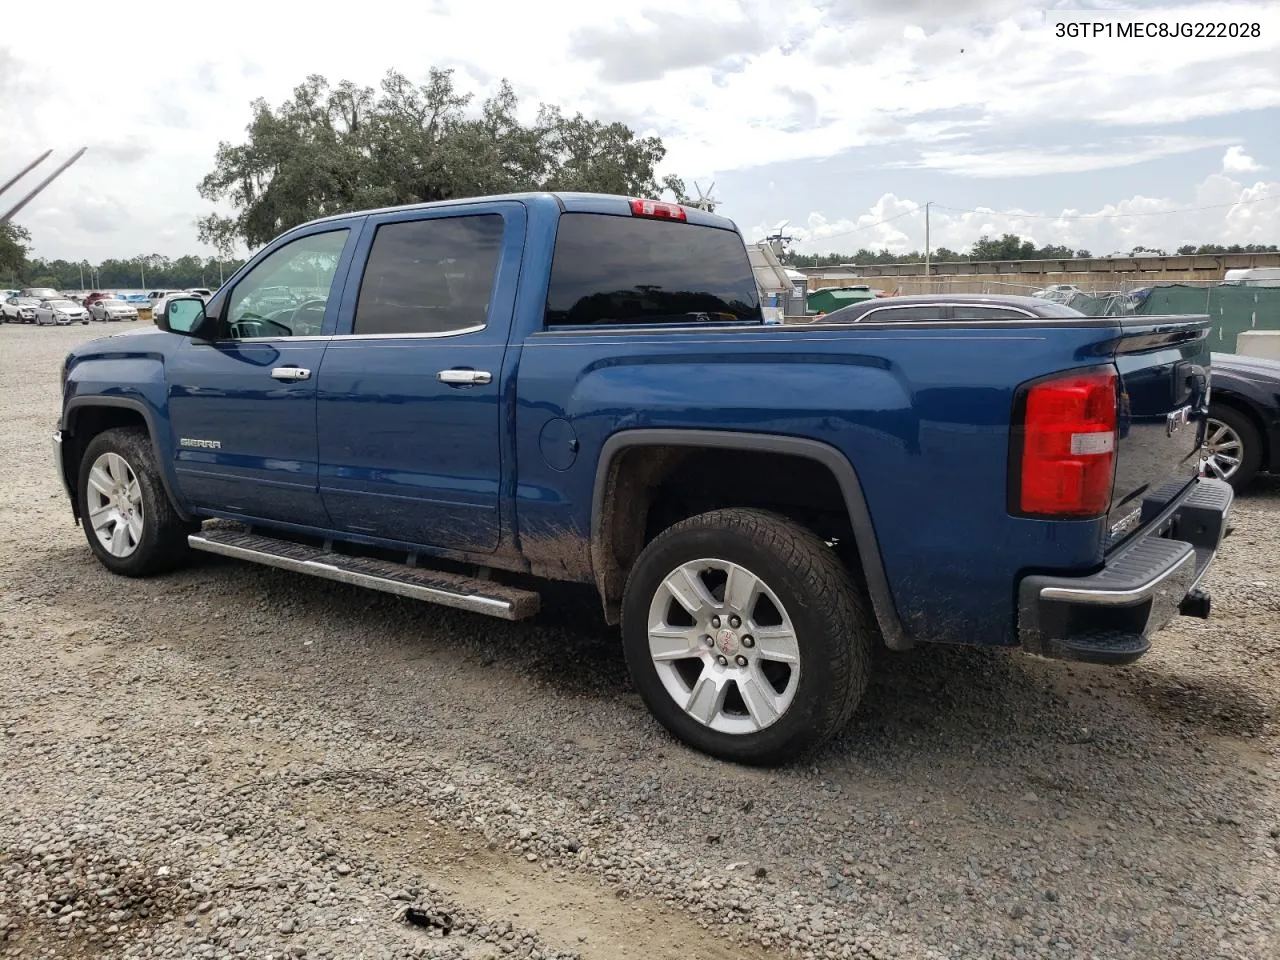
x: 458, y: 400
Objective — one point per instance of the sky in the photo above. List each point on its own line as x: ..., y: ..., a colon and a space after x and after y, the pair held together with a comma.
x: 841, y: 117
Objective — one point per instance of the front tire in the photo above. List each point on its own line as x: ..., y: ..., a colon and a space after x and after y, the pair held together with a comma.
x: 127, y: 517
x: 745, y: 636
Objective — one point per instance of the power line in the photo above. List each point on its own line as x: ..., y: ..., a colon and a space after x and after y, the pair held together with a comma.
x: 845, y: 233
x: 1100, y: 216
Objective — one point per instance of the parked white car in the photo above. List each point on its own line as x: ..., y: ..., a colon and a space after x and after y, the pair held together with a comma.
x: 111, y: 309
x: 17, y: 309
x: 60, y: 313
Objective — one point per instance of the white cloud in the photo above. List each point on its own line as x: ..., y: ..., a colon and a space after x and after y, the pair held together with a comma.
x: 1235, y: 160
x: 1025, y: 161
x: 1221, y: 210
x: 728, y: 84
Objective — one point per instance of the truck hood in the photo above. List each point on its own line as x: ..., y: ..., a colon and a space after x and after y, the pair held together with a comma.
x: 142, y: 338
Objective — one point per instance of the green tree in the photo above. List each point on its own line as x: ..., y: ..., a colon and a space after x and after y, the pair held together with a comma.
x: 1008, y: 247
x: 15, y: 242
x: 333, y: 149
x: 1212, y: 248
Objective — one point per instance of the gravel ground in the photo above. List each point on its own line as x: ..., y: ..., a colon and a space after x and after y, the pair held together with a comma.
x: 233, y: 761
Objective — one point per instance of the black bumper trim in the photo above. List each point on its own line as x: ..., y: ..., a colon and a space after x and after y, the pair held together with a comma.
x: 1109, y: 616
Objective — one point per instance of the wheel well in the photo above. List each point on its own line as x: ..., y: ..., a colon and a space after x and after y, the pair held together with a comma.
x: 649, y: 488
x: 1246, y: 410
x: 84, y: 424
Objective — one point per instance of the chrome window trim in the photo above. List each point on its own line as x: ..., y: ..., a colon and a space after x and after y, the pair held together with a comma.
x: 226, y: 340
x: 358, y: 336
x: 461, y: 331
x: 947, y: 305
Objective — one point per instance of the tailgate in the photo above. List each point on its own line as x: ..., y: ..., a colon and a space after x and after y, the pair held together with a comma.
x: 1163, y: 364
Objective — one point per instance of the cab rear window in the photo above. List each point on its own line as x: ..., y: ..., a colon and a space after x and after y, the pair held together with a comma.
x: 610, y: 270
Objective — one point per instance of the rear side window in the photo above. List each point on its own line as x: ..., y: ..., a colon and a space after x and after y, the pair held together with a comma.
x: 430, y: 276
x: 633, y: 270
x: 963, y: 312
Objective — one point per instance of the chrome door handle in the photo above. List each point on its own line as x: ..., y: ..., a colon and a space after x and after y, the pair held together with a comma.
x: 464, y: 376
x: 290, y: 373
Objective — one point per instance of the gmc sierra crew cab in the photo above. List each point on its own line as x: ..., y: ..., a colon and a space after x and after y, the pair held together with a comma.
x: 456, y: 400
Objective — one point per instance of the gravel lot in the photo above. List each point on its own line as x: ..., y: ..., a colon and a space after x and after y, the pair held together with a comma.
x: 233, y: 761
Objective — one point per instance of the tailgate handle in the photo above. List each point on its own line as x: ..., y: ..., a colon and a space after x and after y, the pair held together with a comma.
x: 1196, y: 378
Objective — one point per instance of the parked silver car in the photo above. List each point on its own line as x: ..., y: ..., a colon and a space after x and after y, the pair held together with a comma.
x: 110, y: 309
x: 19, y: 309
x: 60, y: 313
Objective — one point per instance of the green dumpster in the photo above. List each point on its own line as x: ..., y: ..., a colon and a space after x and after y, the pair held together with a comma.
x: 827, y: 299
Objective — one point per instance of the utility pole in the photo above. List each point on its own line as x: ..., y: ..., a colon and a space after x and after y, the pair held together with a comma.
x: 13, y: 211
x: 927, y: 205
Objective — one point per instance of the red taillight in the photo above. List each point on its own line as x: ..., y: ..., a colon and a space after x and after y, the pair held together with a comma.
x: 1069, y: 446
x: 657, y: 210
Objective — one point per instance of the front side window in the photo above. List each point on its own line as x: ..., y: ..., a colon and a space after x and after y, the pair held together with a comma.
x: 286, y: 293
x: 431, y: 276
x: 635, y: 270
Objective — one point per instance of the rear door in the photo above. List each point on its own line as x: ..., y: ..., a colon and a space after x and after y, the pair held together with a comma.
x: 409, y: 405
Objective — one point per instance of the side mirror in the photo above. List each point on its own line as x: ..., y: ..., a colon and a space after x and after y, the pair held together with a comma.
x: 181, y: 315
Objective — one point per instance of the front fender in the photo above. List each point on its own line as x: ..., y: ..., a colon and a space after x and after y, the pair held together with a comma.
x: 121, y: 382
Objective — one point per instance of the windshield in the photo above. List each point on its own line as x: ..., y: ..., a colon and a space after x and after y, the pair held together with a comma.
x: 113, y: 303
x: 41, y: 293
x: 62, y: 304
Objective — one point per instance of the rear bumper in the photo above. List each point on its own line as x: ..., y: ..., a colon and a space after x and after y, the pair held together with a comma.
x: 1109, y: 616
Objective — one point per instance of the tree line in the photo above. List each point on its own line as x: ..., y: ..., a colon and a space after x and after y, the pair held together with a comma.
x: 152, y: 271
x: 1010, y: 246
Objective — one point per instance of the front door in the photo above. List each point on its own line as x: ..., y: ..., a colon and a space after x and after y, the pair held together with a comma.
x: 409, y: 406
x: 242, y: 404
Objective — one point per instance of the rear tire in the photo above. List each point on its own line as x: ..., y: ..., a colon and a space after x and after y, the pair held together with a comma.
x: 1232, y: 435
x: 790, y: 648
x: 127, y: 517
